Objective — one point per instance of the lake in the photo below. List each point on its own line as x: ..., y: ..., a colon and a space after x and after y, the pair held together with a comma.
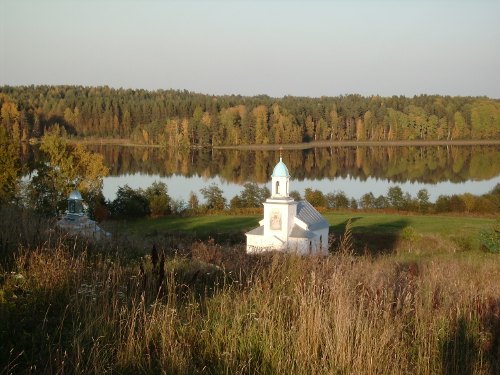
x: 354, y: 170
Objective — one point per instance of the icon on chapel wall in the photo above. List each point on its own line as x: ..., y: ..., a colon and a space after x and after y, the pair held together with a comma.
x: 275, y: 220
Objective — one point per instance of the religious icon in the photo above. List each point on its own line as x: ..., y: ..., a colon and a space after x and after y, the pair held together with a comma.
x: 275, y: 220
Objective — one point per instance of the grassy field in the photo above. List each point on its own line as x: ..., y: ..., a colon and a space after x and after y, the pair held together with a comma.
x: 427, y: 305
x: 372, y: 232
x: 362, y: 222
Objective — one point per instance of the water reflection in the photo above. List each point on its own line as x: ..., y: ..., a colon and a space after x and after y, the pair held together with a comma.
x: 397, y: 164
x: 356, y: 170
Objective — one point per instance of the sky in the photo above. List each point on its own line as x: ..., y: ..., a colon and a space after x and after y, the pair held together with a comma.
x: 300, y: 48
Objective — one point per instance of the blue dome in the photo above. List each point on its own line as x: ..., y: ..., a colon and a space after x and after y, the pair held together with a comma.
x: 75, y: 195
x: 280, y: 170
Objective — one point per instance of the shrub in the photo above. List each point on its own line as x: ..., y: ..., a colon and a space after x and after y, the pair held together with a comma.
x: 315, y: 197
x: 457, y: 204
x: 337, y: 200
x: 463, y: 241
x: 396, y: 197
x: 129, y: 203
x: 214, y: 197
x: 490, y: 237
x: 410, y: 235
x: 486, y: 204
x: 442, y: 204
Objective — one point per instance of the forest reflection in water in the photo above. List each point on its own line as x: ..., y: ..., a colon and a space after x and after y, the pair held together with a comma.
x: 366, y: 168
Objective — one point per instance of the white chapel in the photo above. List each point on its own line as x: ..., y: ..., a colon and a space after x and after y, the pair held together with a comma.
x: 288, y: 225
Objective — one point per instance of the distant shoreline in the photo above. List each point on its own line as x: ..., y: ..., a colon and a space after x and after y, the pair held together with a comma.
x: 313, y: 144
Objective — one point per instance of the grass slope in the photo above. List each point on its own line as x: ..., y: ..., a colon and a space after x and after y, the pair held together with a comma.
x: 70, y: 305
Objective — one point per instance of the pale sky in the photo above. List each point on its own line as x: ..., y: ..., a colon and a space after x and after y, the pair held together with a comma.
x: 278, y: 48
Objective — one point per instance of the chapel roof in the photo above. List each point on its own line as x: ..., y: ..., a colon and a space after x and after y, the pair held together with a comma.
x: 280, y: 170
x: 298, y: 232
x: 308, y: 214
x: 257, y: 231
x: 75, y: 195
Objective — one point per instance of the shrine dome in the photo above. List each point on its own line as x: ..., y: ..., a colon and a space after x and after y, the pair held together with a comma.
x: 75, y: 195
x: 280, y: 170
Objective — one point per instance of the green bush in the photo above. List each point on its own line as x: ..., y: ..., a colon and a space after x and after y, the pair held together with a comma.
x: 490, y: 237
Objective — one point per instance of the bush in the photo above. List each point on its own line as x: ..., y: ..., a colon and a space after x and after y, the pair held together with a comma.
x: 490, y: 237
x: 410, y: 234
x: 315, y: 197
x: 159, y: 201
x: 128, y: 204
x: 214, y: 197
x: 486, y: 204
x: 337, y: 200
x: 442, y: 204
x: 457, y: 204
x: 463, y: 241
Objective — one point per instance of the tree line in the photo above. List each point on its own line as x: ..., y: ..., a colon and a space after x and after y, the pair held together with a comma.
x: 178, y: 118
x: 154, y: 201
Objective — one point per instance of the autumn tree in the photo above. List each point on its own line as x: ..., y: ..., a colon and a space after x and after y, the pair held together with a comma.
x: 9, y: 166
x: 158, y: 199
x: 10, y: 117
x: 460, y: 129
x: 214, y: 198
x: 395, y: 196
x: 423, y: 198
x: 337, y: 199
x: 367, y: 201
x: 129, y: 203
x: 193, y: 200
x: 360, y: 130
x: 315, y: 197
x: 252, y: 195
x: 261, y: 125
x: 295, y: 195
x: 63, y: 167
x: 310, y: 129
x: 334, y: 124
x: 368, y: 120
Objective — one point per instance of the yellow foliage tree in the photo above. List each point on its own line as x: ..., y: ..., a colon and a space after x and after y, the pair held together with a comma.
x: 66, y: 166
x: 9, y: 166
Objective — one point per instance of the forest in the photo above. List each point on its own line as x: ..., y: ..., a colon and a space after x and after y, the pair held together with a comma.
x: 179, y: 118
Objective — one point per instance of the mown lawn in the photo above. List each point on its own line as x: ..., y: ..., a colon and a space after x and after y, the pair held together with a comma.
x: 194, y: 224
x: 361, y: 222
x: 380, y: 223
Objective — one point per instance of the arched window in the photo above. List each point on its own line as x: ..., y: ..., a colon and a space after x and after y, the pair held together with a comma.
x: 277, y: 187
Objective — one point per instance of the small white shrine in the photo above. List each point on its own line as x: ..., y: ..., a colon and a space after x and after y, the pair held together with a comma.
x: 288, y: 225
x: 75, y: 221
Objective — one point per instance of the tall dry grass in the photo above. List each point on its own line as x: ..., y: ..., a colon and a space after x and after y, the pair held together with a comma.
x: 67, y: 310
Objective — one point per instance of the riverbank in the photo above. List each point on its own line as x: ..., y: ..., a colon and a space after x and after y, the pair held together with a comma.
x: 306, y: 145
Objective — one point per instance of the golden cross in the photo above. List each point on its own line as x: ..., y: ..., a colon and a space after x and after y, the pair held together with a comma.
x: 281, y: 151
